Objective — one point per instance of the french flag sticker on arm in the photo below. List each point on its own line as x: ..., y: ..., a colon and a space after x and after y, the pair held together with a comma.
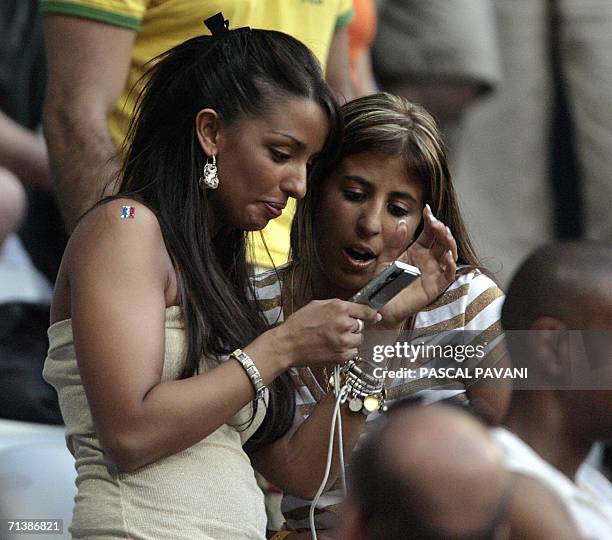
x: 127, y: 212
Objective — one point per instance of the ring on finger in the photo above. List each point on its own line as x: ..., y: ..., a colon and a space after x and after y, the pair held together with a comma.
x: 359, y: 327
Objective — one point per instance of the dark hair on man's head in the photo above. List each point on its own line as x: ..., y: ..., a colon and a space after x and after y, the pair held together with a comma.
x: 244, y: 74
x: 558, y: 280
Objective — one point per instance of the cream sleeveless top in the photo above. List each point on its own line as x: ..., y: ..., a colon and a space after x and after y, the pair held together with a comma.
x: 207, y: 491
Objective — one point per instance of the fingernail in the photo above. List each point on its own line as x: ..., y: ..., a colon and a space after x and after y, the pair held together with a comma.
x: 448, y: 229
x: 428, y: 207
x: 401, y: 222
x: 378, y: 317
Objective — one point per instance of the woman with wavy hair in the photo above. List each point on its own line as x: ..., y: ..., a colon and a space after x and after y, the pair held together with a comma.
x: 389, y: 195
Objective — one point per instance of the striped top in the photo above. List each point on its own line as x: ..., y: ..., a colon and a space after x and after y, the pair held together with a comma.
x: 469, y: 309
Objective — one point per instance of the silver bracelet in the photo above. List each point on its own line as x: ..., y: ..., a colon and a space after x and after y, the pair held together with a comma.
x: 251, y: 370
x: 367, y: 393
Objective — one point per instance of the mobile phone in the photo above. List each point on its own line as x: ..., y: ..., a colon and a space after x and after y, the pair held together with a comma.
x: 386, y: 285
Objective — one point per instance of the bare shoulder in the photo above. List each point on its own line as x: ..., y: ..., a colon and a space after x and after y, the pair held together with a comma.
x: 115, y: 215
x: 118, y: 224
x: 117, y: 243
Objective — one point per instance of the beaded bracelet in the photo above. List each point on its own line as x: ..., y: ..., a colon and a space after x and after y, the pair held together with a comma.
x: 367, y: 393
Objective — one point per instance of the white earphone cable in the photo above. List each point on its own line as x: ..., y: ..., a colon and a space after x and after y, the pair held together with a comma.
x: 341, y: 395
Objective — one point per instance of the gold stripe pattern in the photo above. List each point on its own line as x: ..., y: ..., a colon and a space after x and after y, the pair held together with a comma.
x: 481, y: 302
x: 448, y: 297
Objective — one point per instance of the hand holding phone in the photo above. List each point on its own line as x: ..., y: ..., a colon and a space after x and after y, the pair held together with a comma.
x: 392, y: 280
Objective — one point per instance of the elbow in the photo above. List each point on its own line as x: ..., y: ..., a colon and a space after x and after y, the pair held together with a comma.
x: 124, y: 463
x: 305, y: 488
x: 53, y: 114
x: 124, y: 451
x: 293, y: 481
x: 308, y: 490
x: 308, y: 493
x: 56, y: 129
x: 66, y: 118
x: 296, y: 477
x: 59, y: 119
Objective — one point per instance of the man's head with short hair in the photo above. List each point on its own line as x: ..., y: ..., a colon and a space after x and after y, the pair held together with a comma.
x: 569, y: 281
x: 431, y: 471
x: 562, y: 296
x: 434, y: 473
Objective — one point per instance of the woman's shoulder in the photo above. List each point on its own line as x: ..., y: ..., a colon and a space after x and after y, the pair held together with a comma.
x: 468, y: 283
x: 118, y: 228
x: 473, y: 296
x: 117, y: 212
x: 475, y: 282
x: 117, y: 218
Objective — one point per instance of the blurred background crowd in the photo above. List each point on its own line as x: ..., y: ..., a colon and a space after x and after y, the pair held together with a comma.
x: 520, y: 88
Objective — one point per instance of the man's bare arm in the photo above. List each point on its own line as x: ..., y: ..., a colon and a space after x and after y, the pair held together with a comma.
x: 338, y: 72
x: 88, y: 65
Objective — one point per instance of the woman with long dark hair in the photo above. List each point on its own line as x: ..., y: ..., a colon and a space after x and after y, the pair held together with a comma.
x: 153, y: 294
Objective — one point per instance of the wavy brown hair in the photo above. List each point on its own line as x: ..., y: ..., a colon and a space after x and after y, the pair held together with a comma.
x: 391, y: 125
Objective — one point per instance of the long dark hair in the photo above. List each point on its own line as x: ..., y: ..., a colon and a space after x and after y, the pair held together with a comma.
x: 391, y: 125
x: 240, y: 75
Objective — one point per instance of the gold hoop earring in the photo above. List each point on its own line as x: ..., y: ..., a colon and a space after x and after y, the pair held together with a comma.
x: 209, y: 178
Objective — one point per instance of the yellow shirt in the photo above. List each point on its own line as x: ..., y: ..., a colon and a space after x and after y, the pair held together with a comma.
x: 162, y: 24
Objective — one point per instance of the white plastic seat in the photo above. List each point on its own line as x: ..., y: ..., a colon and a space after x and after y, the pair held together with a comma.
x: 36, y: 474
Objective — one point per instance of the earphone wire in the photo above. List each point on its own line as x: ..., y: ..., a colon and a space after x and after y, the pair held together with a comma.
x: 341, y: 395
x: 340, y: 440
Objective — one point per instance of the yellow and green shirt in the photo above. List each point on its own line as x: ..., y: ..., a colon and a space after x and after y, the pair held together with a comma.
x: 162, y: 24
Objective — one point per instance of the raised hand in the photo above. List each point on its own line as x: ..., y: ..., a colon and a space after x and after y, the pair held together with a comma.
x: 434, y: 253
